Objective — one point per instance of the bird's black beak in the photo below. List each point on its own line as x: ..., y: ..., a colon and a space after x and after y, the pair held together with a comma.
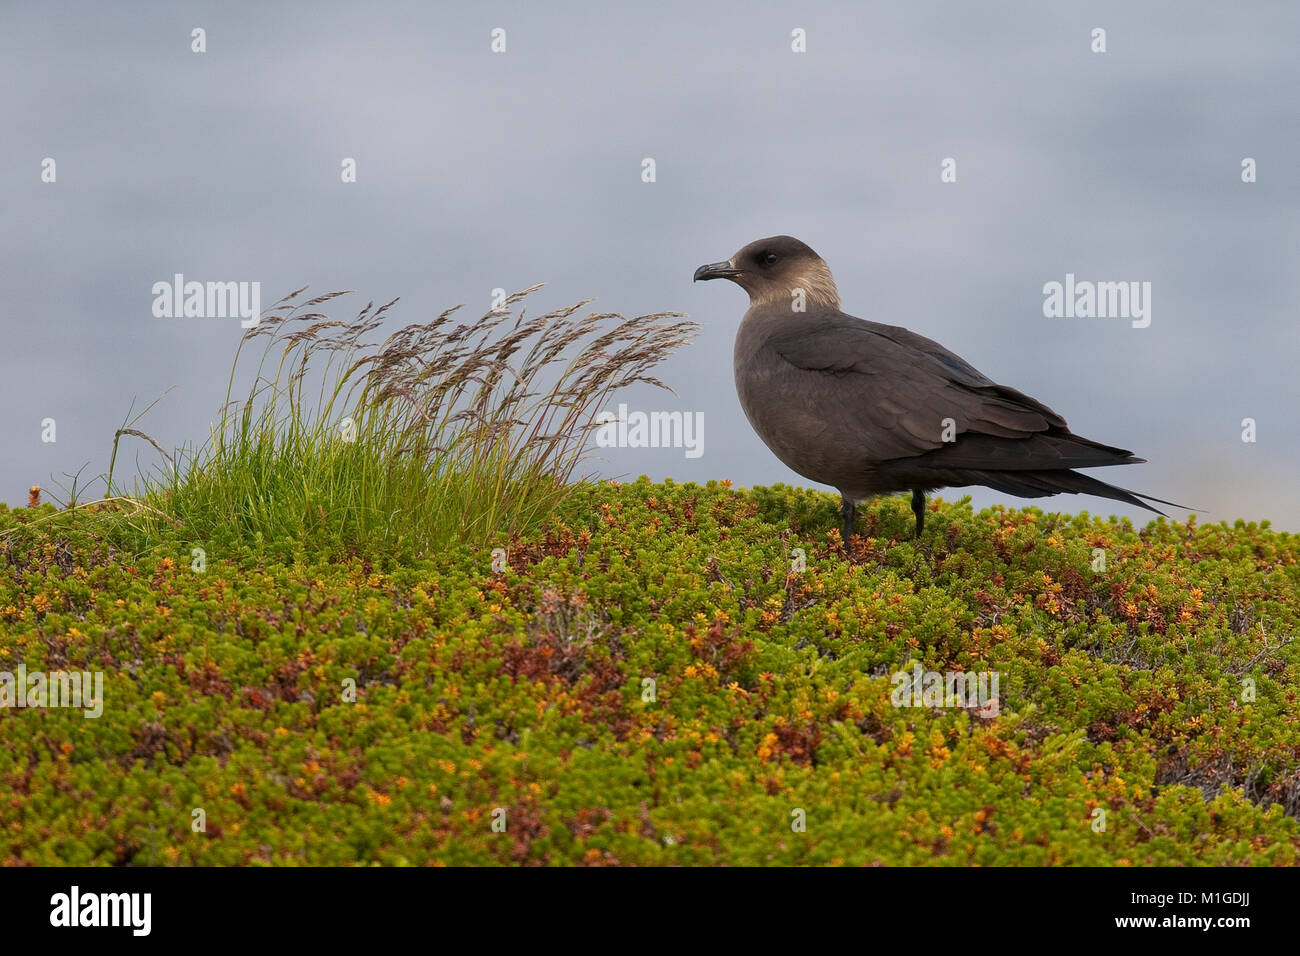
x: 716, y: 270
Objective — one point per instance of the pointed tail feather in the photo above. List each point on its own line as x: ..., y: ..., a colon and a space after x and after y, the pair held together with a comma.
x: 1038, y: 484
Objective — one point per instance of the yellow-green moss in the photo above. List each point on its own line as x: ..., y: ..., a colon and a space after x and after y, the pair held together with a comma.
x: 1125, y: 690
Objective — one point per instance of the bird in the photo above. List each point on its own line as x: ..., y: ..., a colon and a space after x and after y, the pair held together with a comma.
x: 873, y: 409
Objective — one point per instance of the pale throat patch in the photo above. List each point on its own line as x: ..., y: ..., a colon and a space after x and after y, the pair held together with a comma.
x: 815, y: 280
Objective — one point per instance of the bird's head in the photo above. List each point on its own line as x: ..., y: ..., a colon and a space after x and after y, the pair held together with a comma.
x: 778, y: 270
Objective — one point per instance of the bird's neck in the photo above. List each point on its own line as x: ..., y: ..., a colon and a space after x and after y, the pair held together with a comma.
x: 811, y: 290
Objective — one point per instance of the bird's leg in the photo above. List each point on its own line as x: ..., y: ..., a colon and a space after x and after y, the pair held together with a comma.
x: 918, y: 509
x: 849, y: 511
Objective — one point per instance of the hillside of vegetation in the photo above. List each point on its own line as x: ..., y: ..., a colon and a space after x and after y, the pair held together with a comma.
x: 661, y: 674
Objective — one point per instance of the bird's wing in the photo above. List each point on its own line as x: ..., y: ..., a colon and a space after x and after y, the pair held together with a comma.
x: 889, y: 391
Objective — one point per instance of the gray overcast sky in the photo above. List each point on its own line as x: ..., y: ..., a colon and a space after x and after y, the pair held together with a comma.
x: 479, y: 170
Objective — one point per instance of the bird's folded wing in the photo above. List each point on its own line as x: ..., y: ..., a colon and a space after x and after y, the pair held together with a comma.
x: 893, y: 393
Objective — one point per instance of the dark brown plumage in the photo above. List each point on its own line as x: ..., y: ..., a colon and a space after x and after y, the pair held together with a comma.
x: 865, y: 407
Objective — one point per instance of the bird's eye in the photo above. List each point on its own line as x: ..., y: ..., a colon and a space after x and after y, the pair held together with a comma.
x: 767, y: 258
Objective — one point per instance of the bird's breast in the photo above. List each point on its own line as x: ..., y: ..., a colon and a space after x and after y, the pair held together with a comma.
x: 787, y: 422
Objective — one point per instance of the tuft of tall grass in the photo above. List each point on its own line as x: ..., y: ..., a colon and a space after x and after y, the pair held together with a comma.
x: 441, y: 434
